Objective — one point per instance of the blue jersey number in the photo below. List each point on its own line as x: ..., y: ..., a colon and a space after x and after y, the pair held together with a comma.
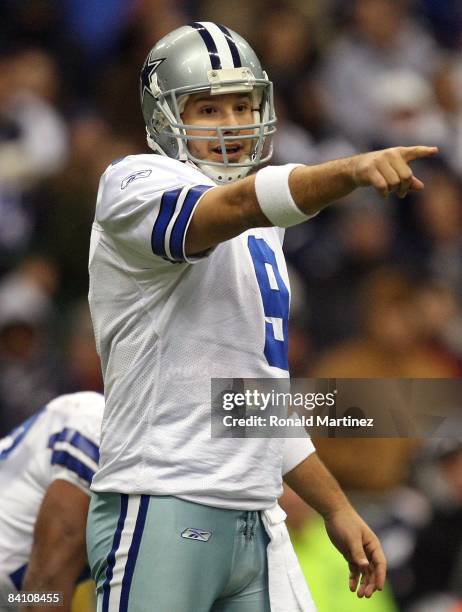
x: 275, y: 298
x: 8, y: 444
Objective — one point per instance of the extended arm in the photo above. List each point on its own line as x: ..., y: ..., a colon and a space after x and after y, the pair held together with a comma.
x: 227, y: 211
x: 348, y: 532
x: 58, y: 554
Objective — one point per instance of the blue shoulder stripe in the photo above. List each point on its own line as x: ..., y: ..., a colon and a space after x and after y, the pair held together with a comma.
x: 166, y: 212
x: 133, y: 553
x: 114, y: 549
x: 179, y: 228
x: 17, y: 576
x: 67, y: 460
x: 17, y: 435
x: 76, y: 439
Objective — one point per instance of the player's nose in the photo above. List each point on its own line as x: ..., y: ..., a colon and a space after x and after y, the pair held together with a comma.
x: 231, y: 119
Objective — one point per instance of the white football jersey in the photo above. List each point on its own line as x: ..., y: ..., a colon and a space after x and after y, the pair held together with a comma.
x: 59, y: 442
x: 166, y: 323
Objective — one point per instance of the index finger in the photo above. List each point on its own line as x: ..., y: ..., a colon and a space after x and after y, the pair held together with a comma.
x: 410, y: 153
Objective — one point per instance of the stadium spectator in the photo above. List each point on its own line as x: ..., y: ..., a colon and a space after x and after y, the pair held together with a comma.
x: 436, y: 248
x: 334, y: 255
x: 65, y: 202
x: 39, y: 147
x: 27, y: 362
x: 391, y: 343
x: 436, y: 561
x: 287, y: 44
x: 382, y: 35
x: 95, y: 25
x: 82, y: 367
x: 439, y: 317
x: 408, y: 111
x: 33, y: 144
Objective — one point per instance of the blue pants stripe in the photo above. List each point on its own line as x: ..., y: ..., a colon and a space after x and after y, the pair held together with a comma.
x: 112, y: 554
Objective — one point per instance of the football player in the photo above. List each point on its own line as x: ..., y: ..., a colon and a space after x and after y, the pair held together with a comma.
x: 188, y: 283
x: 46, y: 467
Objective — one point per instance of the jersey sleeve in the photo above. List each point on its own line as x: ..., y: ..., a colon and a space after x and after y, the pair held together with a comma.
x: 74, y: 446
x: 147, y: 202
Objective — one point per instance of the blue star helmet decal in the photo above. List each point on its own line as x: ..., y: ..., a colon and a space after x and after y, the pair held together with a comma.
x: 149, y: 68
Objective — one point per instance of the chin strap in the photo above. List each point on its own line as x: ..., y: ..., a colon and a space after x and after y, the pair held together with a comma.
x: 222, y: 174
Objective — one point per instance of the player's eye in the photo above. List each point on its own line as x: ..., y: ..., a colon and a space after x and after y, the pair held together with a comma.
x: 207, y: 110
x: 242, y: 108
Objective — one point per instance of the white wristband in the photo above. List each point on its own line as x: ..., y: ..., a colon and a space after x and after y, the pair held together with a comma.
x: 274, y: 197
x: 296, y: 449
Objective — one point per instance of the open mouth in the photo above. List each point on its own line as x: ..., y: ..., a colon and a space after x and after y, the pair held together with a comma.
x: 231, y: 149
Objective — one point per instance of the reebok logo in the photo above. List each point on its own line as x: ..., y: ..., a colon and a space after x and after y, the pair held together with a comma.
x: 196, y: 534
x: 134, y: 177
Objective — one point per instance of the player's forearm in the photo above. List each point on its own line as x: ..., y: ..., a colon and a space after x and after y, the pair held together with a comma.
x: 314, y: 187
x: 228, y: 211
x: 40, y: 579
x: 313, y: 482
x: 56, y: 572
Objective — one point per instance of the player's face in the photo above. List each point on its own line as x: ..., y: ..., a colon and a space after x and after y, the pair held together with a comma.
x: 230, y: 110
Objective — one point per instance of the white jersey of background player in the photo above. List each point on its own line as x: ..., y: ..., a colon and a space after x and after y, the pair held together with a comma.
x: 59, y: 443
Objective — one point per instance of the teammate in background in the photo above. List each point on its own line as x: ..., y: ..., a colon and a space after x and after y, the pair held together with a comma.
x: 187, y: 283
x: 46, y: 467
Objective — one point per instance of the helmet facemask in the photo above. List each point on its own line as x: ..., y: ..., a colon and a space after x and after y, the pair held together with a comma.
x: 168, y: 134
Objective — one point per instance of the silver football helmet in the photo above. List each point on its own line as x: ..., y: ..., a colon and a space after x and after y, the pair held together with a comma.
x: 205, y: 57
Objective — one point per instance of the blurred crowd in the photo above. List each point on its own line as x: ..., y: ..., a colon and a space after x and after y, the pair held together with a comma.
x: 377, y: 284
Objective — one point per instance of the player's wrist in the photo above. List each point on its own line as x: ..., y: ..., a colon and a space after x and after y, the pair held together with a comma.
x: 352, y: 171
x: 335, y: 508
x: 275, y: 198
